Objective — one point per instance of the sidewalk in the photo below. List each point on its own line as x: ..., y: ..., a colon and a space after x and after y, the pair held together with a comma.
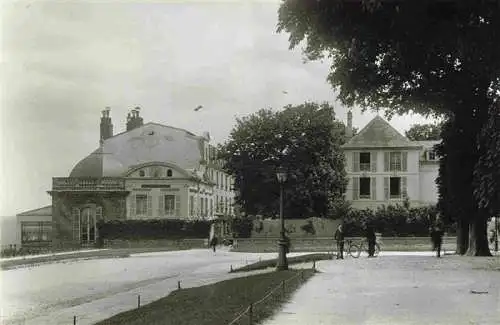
x: 398, y: 288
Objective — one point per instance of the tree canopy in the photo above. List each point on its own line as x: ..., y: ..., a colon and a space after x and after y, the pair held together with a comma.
x: 305, y: 140
x: 435, y: 58
x: 424, y: 132
x: 424, y: 56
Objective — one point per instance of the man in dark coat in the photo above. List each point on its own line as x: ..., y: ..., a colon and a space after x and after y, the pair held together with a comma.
x: 213, y: 243
x: 371, y: 239
x: 437, y: 233
x: 339, y: 238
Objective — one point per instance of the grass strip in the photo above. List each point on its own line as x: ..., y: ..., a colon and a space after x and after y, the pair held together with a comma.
x: 217, y: 304
x: 291, y: 260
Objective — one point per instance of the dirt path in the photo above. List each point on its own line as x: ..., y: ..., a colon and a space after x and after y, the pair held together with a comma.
x: 398, y: 290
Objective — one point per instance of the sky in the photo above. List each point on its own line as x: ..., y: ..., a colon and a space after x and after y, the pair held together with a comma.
x: 65, y: 61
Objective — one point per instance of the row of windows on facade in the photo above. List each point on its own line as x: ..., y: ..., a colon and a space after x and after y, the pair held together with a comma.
x: 32, y: 231
x: 393, y: 161
x: 365, y: 188
x: 169, y: 205
x: 221, y: 180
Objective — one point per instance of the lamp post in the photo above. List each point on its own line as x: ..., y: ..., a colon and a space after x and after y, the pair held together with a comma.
x: 282, y: 243
x: 496, y: 233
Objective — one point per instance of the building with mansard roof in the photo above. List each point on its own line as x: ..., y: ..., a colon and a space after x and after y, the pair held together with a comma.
x: 149, y: 171
x: 386, y: 168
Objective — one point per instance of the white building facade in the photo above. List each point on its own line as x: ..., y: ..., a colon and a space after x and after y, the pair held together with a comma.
x: 385, y: 168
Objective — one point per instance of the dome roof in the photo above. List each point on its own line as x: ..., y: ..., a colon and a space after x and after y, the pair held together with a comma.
x: 98, y: 164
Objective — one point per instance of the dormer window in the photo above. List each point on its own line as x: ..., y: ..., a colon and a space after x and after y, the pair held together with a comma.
x: 169, y: 173
x: 142, y: 173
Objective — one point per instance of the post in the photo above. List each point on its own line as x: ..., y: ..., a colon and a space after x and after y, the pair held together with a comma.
x: 138, y: 301
x: 74, y: 320
x: 496, y: 233
x: 231, y: 268
x: 314, y: 265
x: 250, y: 314
x: 282, y: 261
x: 179, y: 285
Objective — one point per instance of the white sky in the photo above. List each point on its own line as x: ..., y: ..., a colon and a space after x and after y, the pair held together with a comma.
x: 64, y: 61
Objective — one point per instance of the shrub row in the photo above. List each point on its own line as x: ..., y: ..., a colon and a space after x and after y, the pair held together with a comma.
x: 393, y: 221
x: 153, y: 229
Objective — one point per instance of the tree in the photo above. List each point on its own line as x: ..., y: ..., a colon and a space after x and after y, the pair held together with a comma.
x: 305, y: 140
x: 436, y: 58
x: 487, y: 171
x: 424, y: 132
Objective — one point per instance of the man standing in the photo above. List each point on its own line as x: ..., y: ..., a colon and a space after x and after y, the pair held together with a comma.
x: 371, y: 239
x: 339, y: 238
x: 437, y: 233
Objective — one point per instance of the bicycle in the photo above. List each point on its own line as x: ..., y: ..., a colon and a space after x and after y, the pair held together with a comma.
x: 355, y: 250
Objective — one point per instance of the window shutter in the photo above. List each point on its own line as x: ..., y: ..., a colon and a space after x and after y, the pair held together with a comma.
x: 386, y: 188
x: 76, y: 223
x: 373, y: 161
x: 150, y: 206
x: 387, y: 161
x: 355, y: 188
x: 132, y: 205
x: 178, y: 206
x: 404, y: 188
x: 374, y: 188
x: 404, y: 162
x: 161, y: 205
x: 355, y: 162
x: 211, y: 207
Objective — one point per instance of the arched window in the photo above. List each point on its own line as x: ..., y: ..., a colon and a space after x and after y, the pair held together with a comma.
x: 169, y: 173
x: 142, y: 173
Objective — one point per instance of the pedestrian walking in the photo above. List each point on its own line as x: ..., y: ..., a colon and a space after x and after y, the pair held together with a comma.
x: 437, y: 232
x: 213, y: 243
x: 371, y: 239
x: 339, y: 238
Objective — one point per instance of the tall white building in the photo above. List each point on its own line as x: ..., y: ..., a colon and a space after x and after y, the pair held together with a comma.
x: 384, y: 167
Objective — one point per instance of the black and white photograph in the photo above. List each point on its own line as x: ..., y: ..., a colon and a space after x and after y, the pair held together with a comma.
x: 250, y: 162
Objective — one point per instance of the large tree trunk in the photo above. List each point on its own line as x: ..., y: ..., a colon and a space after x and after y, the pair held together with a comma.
x: 462, y: 237
x: 478, y: 237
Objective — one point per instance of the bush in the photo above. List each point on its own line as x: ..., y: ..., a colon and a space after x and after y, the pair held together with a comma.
x: 392, y: 221
x: 153, y: 229
x: 242, y: 227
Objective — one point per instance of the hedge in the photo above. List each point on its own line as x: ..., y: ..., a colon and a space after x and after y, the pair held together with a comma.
x: 393, y: 221
x: 153, y: 229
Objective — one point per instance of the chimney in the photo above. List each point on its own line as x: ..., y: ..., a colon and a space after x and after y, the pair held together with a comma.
x: 348, y: 130
x: 106, y: 125
x: 134, y: 120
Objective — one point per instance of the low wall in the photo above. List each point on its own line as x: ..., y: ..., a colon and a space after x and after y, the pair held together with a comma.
x: 157, y: 243
x: 325, y: 244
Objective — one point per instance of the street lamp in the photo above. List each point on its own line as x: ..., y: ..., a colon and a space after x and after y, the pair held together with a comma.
x: 496, y: 233
x: 282, y: 243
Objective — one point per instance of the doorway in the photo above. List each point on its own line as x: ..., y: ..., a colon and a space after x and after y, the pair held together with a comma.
x: 87, y: 226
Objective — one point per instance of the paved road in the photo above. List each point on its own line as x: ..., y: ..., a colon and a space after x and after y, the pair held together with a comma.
x: 398, y: 289
x: 97, y: 289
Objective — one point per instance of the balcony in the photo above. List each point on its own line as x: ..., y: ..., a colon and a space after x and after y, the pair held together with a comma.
x: 105, y: 184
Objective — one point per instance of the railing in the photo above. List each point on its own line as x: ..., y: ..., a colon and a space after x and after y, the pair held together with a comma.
x: 248, y: 316
x: 87, y: 184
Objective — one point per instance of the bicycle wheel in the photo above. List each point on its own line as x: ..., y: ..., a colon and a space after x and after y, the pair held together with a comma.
x: 354, y: 251
x: 377, y: 250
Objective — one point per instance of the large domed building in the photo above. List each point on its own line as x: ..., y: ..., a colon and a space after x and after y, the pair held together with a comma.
x: 148, y: 171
